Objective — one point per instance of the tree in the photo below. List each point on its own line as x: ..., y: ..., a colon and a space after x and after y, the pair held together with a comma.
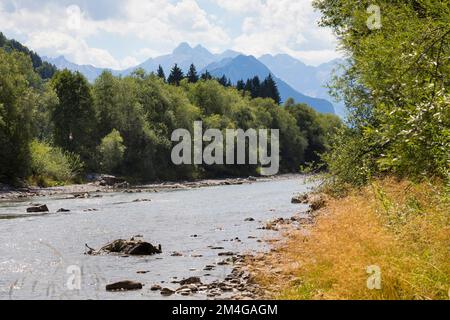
x: 269, y: 89
x: 74, y: 117
x: 161, y: 73
x: 192, y: 75
x: 176, y: 75
x: 240, y: 85
x: 223, y: 80
x: 111, y: 152
x: 206, y: 76
x: 395, y: 84
x: 17, y: 100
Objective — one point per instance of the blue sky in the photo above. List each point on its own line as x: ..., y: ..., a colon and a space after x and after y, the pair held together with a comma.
x: 122, y: 33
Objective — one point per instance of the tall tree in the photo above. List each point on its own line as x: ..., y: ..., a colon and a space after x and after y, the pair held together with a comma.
x: 256, y: 87
x: 192, y: 75
x: 269, y: 89
x: 206, y: 76
x: 161, y: 73
x: 74, y: 117
x: 240, y: 85
x: 176, y: 75
x: 17, y: 101
x: 223, y: 80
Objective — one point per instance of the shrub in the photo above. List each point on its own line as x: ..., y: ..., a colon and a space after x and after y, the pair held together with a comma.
x: 111, y: 152
x: 52, y: 166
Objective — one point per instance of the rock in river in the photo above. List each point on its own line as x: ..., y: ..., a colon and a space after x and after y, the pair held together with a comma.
x: 124, y: 286
x: 191, y: 280
x: 129, y: 247
x: 38, y: 208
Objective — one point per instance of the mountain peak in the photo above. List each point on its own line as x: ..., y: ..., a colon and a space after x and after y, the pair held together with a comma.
x: 182, y: 48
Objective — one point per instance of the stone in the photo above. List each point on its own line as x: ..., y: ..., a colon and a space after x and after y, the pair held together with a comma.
x: 38, y: 208
x: 156, y: 288
x: 124, y: 286
x: 191, y: 280
x: 129, y: 247
x: 167, y: 292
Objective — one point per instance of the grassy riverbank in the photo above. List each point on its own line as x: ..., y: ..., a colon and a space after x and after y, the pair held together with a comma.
x: 401, y: 227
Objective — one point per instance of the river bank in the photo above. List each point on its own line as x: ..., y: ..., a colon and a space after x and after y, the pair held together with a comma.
x: 389, y: 240
x: 8, y: 193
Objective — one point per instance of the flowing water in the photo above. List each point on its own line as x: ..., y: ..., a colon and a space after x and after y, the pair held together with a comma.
x: 41, y: 255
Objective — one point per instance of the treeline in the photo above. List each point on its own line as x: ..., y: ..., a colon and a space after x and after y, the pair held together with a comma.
x: 396, y: 85
x: 56, y: 131
x: 253, y: 87
x: 44, y: 69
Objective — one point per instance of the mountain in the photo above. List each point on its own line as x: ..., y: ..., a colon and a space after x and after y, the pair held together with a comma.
x: 184, y: 55
x: 90, y: 72
x: 309, y: 80
x: 244, y: 67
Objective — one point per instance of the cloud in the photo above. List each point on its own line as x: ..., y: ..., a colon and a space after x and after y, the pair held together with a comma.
x: 282, y: 26
x: 117, y: 33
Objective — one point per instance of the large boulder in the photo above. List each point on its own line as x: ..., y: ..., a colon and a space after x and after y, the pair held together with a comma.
x: 129, y: 247
x: 38, y: 208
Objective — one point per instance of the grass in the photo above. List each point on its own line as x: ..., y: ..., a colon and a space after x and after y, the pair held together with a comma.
x: 401, y: 227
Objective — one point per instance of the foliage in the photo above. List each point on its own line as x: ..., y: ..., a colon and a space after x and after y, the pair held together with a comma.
x: 52, y: 165
x: 73, y: 117
x: 17, y: 100
x: 396, y: 87
x: 111, y: 152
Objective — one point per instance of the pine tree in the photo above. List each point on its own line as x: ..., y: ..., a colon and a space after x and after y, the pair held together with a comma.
x: 206, y: 76
x: 271, y: 89
x: 176, y: 75
x: 223, y: 80
x: 256, y: 87
x: 192, y: 75
x: 240, y: 85
x: 161, y: 73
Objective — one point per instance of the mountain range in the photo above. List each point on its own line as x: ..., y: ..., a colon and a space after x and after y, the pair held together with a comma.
x: 303, y: 83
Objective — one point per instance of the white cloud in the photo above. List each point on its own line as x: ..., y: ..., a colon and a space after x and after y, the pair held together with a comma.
x: 267, y: 26
x: 282, y: 26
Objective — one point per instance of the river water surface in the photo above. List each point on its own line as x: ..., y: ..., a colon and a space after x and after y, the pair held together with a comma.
x: 39, y: 254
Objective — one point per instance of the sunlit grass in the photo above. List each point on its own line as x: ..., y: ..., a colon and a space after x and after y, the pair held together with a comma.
x: 399, y: 226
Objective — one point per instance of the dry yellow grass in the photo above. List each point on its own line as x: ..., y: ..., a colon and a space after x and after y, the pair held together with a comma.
x: 401, y: 227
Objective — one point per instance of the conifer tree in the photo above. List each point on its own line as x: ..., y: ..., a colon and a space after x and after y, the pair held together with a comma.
x: 176, y: 75
x: 161, y: 73
x: 192, y: 75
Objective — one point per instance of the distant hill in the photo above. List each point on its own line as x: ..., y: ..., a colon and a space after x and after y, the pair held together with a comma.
x: 309, y: 80
x: 44, y: 69
x: 90, y: 72
x: 244, y: 67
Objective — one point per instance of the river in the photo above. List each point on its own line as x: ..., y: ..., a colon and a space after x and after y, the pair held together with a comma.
x: 39, y: 253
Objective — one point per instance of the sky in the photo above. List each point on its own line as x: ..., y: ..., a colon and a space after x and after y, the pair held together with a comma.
x: 119, y: 34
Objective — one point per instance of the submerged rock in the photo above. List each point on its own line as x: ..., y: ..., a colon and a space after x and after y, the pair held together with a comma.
x: 124, y: 286
x: 129, y: 247
x: 38, y: 208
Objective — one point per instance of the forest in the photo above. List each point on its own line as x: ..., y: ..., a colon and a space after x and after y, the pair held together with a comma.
x: 54, y: 130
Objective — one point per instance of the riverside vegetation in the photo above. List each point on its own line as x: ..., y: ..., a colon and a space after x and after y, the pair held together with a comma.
x: 55, y: 126
x: 388, y: 170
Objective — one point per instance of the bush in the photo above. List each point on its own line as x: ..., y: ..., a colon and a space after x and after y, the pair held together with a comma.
x: 111, y: 152
x: 53, y: 166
